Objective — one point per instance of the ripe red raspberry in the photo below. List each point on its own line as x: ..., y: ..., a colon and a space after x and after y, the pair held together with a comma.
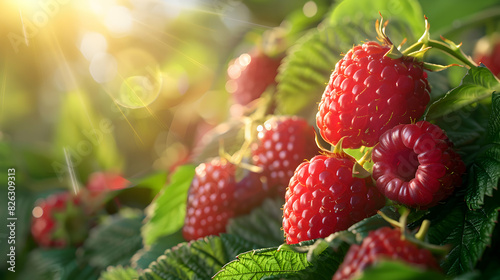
x: 383, y: 244
x: 59, y: 221
x: 368, y: 93
x: 210, y: 197
x: 487, y: 52
x: 415, y: 165
x: 323, y: 197
x: 250, y: 74
x: 283, y: 143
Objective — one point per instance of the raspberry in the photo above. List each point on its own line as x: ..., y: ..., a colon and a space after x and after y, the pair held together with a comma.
x: 415, y: 165
x: 250, y: 192
x: 59, y: 221
x: 210, y: 196
x: 368, y: 93
x: 102, y: 182
x: 487, y: 52
x: 383, y: 244
x: 250, y: 74
x: 216, y: 195
x: 323, y: 197
x: 284, y: 142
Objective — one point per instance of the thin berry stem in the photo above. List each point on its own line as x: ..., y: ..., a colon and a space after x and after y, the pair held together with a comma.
x: 447, y: 46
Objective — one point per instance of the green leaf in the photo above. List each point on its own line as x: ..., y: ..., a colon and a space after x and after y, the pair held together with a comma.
x: 144, y: 189
x: 144, y: 257
x: 365, y: 13
x: 306, y: 69
x: 363, y: 227
x: 468, y: 232
x: 166, y: 213
x: 466, y: 127
x: 255, y: 265
x: 477, y: 84
x: 56, y: 264
x: 299, y: 261
x: 119, y: 273
x: 395, y: 270
x: 484, y: 173
x: 199, y: 259
x: 262, y: 226
x: 114, y: 241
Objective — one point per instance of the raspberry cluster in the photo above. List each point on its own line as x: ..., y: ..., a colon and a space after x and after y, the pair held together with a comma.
x: 222, y: 189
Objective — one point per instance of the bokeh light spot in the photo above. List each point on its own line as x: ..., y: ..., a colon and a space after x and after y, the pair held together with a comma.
x: 310, y: 9
x: 93, y: 43
x: 118, y: 20
x: 138, y: 80
x: 37, y: 212
x: 244, y: 59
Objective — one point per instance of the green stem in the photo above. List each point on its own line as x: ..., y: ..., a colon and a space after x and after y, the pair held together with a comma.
x: 452, y: 50
x: 425, y: 43
x: 422, y: 232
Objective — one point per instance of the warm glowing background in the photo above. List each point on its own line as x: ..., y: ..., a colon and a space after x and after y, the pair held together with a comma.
x: 124, y: 85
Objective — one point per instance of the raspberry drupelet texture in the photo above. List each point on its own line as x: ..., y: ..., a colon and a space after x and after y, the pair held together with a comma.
x: 323, y: 197
x: 416, y: 165
x: 209, y: 199
x: 283, y: 143
x: 368, y: 93
x: 383, y: 244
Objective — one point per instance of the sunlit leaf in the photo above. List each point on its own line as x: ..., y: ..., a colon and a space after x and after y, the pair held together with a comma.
x: 199, y: 259
x: 166, y: 213
x: 479, y: 83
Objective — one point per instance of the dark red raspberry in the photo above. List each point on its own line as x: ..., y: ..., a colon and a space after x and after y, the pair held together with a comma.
x: 415, y: 165
x: 250, y: 192
x: 383, y: 244
x: 283, y: 143
x: 210, y: 198
x: 323, y: 197
x: 368, y: 93
x: 59, y: 221
x: 250, y: 74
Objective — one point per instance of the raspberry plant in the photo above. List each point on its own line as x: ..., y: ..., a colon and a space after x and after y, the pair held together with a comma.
x: 377, y: 90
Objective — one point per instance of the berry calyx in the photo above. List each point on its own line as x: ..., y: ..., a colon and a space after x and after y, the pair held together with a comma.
x: 59, y: 221
x: 416, y: 165
x: 323, y: 197
x: 283, y: 142
x: 370, y: 92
